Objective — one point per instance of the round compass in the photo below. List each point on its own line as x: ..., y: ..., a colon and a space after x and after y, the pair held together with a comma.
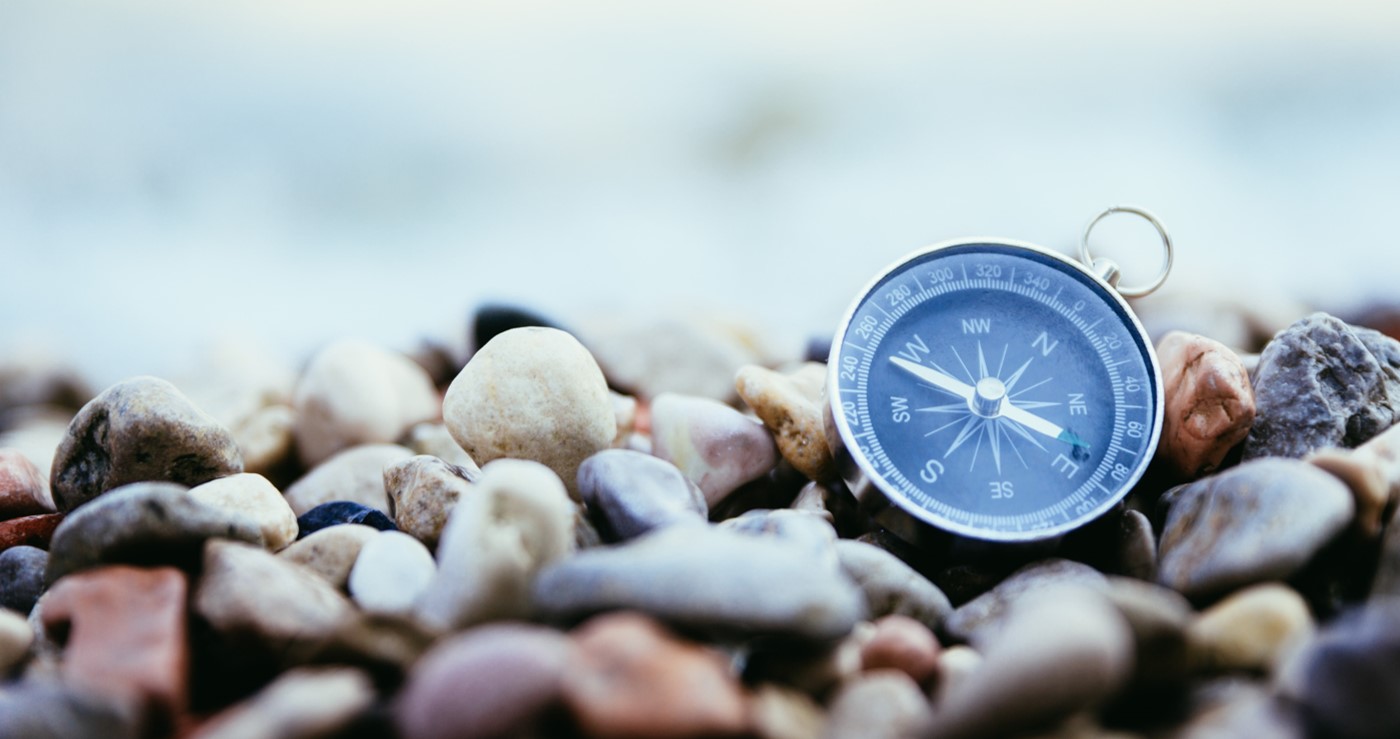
x: 995, y: 390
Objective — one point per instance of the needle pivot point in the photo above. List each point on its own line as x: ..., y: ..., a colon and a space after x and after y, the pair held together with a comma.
x: 988, y: 396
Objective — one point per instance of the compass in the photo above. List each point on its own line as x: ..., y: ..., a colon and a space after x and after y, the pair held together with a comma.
x: 995, y: 390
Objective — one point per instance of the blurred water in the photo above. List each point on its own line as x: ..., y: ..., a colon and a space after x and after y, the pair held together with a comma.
x: 173, y: 172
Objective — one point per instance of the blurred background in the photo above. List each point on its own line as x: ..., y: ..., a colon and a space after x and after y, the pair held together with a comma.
x: 301, y: 170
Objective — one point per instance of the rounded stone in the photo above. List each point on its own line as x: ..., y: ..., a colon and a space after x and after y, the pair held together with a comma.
x: 253, y: 496
x: 356, y: 393
x: 138, y: 430
x: 391, y: 573
x: 882, y: 704
x: 34, y: 531
x: 901, y: 643
x: 24, y: 491
x: 713, y: 445
x: 1158, y: 618
x: 22, y: 577
x: 15, y: 638
x: 790, y: 405
x: 532, y: 393
x: 339, y: 512
x: 891, y: 587
x: 1209, y: 403
x: 636, y: 492
x: 423, y: 490
x: 980, y: 618
x: 1252, y: 630
x: 330, y: 552
x: 355, y: 474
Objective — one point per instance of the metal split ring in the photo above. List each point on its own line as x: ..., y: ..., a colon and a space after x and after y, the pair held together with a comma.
x: 1132, y: 292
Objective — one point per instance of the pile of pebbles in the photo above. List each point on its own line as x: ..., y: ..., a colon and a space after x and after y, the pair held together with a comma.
x: 640, y: 534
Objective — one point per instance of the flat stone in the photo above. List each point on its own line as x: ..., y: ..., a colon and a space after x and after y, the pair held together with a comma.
x: 636, y: 492
x: 790, y: 405
x: 42, y: 709
x: 1345, y: 679
x: 355, y: 393
x: 713, y: 445
x: 706, y: 578
x: 904, y: 644
x: 1260, y: 521
x: 883, y: 704
x: 139, y: 430
x: 391, y: 573
x: 978, y: 620
x: 303, y: 703
x: 32, y: 531
x: 518, y: 519
x: 252, y: 496
x: 809, y: 532
x: 340, y: 512
x: 532, y: 393
x: 355, y: 474
x: 1322, y: 383
x: 1251, y: 630
x: 497, y: 680
x: 423, y: 490
x: 891, y: 587
x: 629, y: 677
x: 330, y: 552
x: 126, y: 635
x: 1208, y: 403
x: 24, y: 490
x: 15, y: 638
x: 143, y: 523
x: 22, y: 577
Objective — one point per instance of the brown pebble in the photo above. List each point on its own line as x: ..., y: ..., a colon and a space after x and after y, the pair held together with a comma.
x: 790, y: 406
x: 34, y: 531
x: 24, y: 491
x: 1372, y: 471
x: 903, y: 644
x: 1209, y: 403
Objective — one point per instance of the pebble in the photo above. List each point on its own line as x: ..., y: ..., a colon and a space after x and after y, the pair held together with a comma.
x: 33, y: 531
x: 246, y: 591
x: 1387, y: 579
x: 303, y: 703
x: 1346, y: 678
x: 126, y: 635
x: 1260, y: 521
x: 901, y: 643
x: 882, y: 704
x: 48, y: 709
x: 138, y: 430
x: 423, y: 490
x: 955, y: 665
x: 15, y: 638
x: 1251, y: 630
x: 1158, y: 618
x: 707, y: 578
x: 1137, y: 546
x: 248, y: 390
x: 22, y: 577
x: 783, y: 713
x: 355, y: 393
x: 532, y: 393
x: 978, y: 620
x: 499, y: 680
x: 338, y: 512
x: 143, y: 523
x: 434, y: 440
x: 24, y: 491
x: 267, y: 439
x: 634, y: 493
x: 1208, y: 405
x: 891, y: 587
x: 518, y: 519
x: 330, y: 552
x: 1062, y: 649
x: 1372, y: 471
x: 1322, y: 383
x: 790, y: 405
x: 807, y: 531
x: 391, y: 573
x: 355, y: 474
x: 629, y: 677
x: 715, y: 446
x: 253, y: 496
x: 640, y: 357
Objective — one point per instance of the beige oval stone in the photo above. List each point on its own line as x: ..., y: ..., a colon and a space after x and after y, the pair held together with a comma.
x: 1252, y: 629
x: 790, y: 405
x: 423, y: 490
x: 330, y: 552
x: 253, y: 496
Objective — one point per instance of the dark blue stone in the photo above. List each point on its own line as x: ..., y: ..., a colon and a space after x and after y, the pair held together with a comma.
x: 22, y: 577
x: 342, y: 511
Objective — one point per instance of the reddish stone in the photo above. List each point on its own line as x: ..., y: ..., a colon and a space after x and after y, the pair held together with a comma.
x: 903, y: 644
x: 34, y: 531
x: 126, y: 635
x: 23, y: 490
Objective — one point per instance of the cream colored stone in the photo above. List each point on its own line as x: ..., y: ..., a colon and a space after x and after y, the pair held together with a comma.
x: 790, y: 405
x: 253, y: 496
x: 423, y: 490
x: 301, y: 703
x: 391, y: 573
x: 15, y: 638
x: 330, y: 552
x: 1250, y: 630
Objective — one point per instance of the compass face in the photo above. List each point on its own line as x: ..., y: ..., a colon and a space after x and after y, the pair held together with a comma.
x: 995, y: 390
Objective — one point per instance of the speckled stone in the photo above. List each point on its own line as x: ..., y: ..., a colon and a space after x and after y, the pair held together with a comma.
x: 636, y: 492
x: 423, y: 490
x: 790, y: 405
x: 980, y: 618
x: 143, y: 523
x: 1260, y: 521
x: 300, y: 704
x: 33, y: 531
x: 330, y: 552
x: 1252, y: 630
x: 253, y: 496
x: 24, y: 491
x: 138, y: 430
x: 339, y: 512
x: 891, y: 587
x: 1322, y: 383
x: 355, y: 393
x: 713, y: 445
x: 22, y: 577
x: 355, y: 474
x: 1208, y: 403
x: 883, y: 704
x: 391, y: 573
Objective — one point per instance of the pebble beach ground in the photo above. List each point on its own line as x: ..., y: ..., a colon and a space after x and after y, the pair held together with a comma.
x: 636, y: 530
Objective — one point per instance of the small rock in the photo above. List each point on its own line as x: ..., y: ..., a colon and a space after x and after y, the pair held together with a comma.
x: 1372, y: 471
x: 1209, y: 403
x: 355, y: 474
x: 32, y: 531
x: 143, y: 523
x: 24, y: 491
x: 640, y: 357
x: 784, y: 713
x: 355, y: 393
x: 630, y: 678
x: 1062, y: 649
x: 500, y: 680
x: 891, y: 587
x: 1346, y: 678
x: 809, y: 532
x: 978, y: 619
x: 138, y: 430
x: 340, y: 512
x: 884, y: 704
x: 637, y: 492
x: 1250, y: 630
x: 901, y: 643
x: 253, y: 496
x: 1158, y: 618
x: 532, y: 393
x: 956, y: 665
x: 248, y: 389
x: 1137, y: 546
x: 1260, y: 521
x: 391, y: 573
x: 434, y: 440
x: 330, y: 552
x: 790, y: 405
x: 832, y: 502
x: 714, y: 446
x: 706, y: 578
x: 423, y: 490
x: 1322, y: 383
x: 47, y: 709
x: 22, y: 577
x: 303, y: 703
x: 15, y: 638
x: 267, y: 438
x: 518, y: 519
